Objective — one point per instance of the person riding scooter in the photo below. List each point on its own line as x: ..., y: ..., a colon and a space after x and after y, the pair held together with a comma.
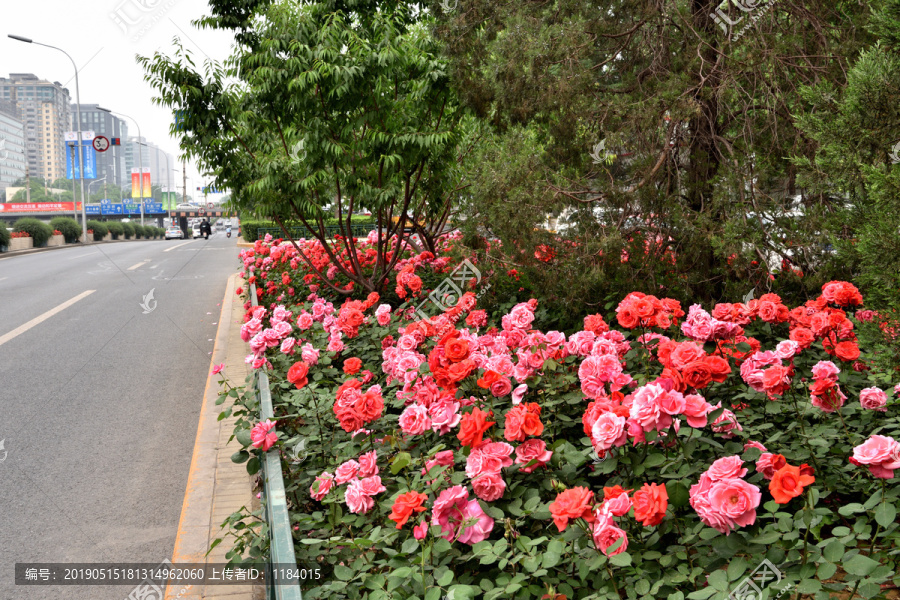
x: 228, y: 231
x: 205, y: 229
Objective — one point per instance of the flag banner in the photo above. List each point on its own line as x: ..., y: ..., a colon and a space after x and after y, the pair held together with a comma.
x: 73, y: 169
x: 147, y: 190
x: 136, y: 184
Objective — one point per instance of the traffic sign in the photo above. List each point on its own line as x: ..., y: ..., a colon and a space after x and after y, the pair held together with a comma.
x: 101, y: 144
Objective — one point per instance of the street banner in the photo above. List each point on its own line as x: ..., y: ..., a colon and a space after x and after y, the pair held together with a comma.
x: 136, y: 184
x: 90, y: 161
x: 10, y: 207
x: 169, y: 200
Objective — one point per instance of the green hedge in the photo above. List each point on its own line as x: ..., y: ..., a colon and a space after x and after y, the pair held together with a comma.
x: 39, y: 231
x: 116, y: 229
x: 68, y: 226
x: 100, y: 229
x: 4, y: 235
x: 129, y: 230
x: 249, y: 226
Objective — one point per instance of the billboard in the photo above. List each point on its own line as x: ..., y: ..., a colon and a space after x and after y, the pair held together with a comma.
x: 38, y: 207
x: 136, y: 183
x: 90, y: 161
x: 169, y: 200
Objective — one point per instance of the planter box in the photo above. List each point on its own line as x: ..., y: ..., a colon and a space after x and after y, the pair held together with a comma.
x: 56, y: 240
x: 107, y: 237
x: 22, y: 243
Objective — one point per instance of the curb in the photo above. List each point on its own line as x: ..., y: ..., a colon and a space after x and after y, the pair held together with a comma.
x: 198, y: 522
x: 9, y: 254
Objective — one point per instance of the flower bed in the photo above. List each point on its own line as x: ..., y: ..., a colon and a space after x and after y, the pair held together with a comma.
x: 654, y: 453
x: 20, y: 240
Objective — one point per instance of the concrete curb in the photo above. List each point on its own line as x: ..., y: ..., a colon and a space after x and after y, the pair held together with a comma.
x: 9, y: 254
x: 216, y: 486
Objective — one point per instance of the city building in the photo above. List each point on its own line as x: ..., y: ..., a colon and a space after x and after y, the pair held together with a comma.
x: 155, y: 159
x: 12, y: 147
x: 111, y: 164
x: 43, y: 108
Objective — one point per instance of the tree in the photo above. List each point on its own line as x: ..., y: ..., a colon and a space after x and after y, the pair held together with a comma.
x: 697, y: 114
x: 340, y: 109
x: 857, y: 163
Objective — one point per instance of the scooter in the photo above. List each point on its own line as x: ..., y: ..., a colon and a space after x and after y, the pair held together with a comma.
x: 227, y: 233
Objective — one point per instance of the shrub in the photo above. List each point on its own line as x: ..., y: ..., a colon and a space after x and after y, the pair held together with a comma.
x: 140, y: 231
x: 116, y: 229
x: 38, y: 230
x: 99, y: 228
x: 129, y: 230
x: 69, y: 227
x: 4, y: 235
x: 760, y: 406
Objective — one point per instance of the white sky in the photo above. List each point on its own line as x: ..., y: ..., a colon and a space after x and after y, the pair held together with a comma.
x: 93, y: 32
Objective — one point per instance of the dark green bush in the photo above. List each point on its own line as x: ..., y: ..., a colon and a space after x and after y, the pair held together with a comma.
x: 68, y: 226
x: 249, y: 227
x: 4, y: 235
x: 116, y: 229
x: 129, y: 230
x: 39, y: 231
x: 100, y: 230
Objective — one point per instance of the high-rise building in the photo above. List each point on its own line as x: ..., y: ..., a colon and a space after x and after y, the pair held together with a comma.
x: 155, y: 159
x: 12, y: 147
x: 43, y: 108
x: 111, y: 164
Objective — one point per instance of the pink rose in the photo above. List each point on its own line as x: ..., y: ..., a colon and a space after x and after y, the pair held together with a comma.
x: 787, y: 349
x: 501, y: 387
x: 695, y: 410
x: 218, y: 369
x: 825, y: 369
x: 873, y: 398
x: 518, y: 393
x: 521, y: 316
x: 321, y: 486
x: 481, y: 526
x: 304, y: 321
x: 735, y: 500
x: 414, y: 420
x: 443, y: 458
x: 444, y: 416
x: 357, y: 500
x: 263, y: 435
x: 420, y: 530
x: 727, y: 467
x: 309, y: 354
x: 287, y: 345
x: 367, y: 465
x: 371, y: 485
x: 881, y: 454
x: 618, y: 506
x: 346, y: 472
x: 608, y: 430
x: 533, y: 449
x: 447, y: 511
x: 489, y: 486
x: 605, y: 535
x: 407, y: 343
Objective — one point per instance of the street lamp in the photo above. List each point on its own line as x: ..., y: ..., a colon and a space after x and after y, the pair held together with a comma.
x: 83, y: 200
x: 140, y: 157
x: 78, y: 116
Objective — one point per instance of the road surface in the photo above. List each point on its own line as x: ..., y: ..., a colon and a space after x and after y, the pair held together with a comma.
x: 100, y: 399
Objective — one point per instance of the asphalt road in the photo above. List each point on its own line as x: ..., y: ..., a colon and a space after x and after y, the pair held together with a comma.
x: 99, y: 401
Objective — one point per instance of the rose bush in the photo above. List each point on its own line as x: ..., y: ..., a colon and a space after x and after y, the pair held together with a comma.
x: 654, y: 453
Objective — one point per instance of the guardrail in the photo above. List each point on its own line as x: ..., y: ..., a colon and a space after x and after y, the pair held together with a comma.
x: 302, y: 232
x: 281, y: 542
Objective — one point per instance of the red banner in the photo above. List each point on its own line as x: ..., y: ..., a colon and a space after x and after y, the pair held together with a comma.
x: 38, y: 207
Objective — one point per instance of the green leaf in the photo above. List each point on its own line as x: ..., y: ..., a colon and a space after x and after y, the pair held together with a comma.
x: 400, y: 461
x: 678, y: 493
x: 826, y: 570
x: 860, y: 565
x: 462, y: 592
x: 620, y: 560
x: 445, y: 579
x: 809, y: 586
x: 885, y: 514
x: 243, y: 437
x: 718, y: 580
x: 852, y: 508
x: 253, y: 465
x: 834, y: 551
x: 241, y: 456
x: 343, y: 573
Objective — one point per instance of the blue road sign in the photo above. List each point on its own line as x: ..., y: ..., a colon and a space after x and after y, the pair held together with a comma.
x: 93, y: 209
x: 111, y: 209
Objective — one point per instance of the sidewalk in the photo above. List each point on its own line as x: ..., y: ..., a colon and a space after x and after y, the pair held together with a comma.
x: 216, y: 487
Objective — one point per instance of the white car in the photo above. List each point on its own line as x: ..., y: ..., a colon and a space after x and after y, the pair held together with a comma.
x: 184, y: 206
x: 174, y: 233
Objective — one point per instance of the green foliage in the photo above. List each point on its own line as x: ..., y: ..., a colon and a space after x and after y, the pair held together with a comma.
x: 140, y: 231
x: 129, y: 230
x: 99, y: 228
x: 69, y: 227
x: 115, y: 228
x: 4, y: 235
x: 39, y: 231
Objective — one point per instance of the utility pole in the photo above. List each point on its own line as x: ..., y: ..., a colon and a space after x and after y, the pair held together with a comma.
x: 184, y: 180
x: 28, y: 183
x: 74, y: 199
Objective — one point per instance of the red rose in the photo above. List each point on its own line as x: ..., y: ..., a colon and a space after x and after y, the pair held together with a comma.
x: 718, y: 368
x: 459, y: 371
x: 847, y: 351
x: 650, y: 503
x: 572, y: 504
x: 697, y: 375
x: 456, y: 350
x: 472, y: 427
x: 297, y: 374
x: 803, y: 336
x: 405, y: 505
x: 352, y: 366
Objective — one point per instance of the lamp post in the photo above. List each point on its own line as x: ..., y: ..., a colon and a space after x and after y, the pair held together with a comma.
x: 78, y: 128
x: 140, y: 156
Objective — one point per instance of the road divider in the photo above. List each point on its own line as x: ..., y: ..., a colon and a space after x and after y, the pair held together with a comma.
x: 41, y: 318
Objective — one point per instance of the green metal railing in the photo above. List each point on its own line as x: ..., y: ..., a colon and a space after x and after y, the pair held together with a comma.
x: 302, y: 232
x: 281, y: 542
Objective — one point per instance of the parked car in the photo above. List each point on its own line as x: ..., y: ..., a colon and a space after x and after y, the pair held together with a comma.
x: 195, y: 230
x: 174, y: 233
x: 186, y: 206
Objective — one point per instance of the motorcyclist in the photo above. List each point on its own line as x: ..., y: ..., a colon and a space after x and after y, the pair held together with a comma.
x: 205, y: 229
x: 228, y: 230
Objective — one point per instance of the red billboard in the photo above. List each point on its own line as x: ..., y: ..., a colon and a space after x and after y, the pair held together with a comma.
x: 10, y: 207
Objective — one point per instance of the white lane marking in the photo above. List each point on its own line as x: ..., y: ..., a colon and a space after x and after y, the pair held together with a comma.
x: 2, y: 278
x: 137, y: 266
x: 80, y: 256
x: 41, y: 318
x: 178, y: 246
